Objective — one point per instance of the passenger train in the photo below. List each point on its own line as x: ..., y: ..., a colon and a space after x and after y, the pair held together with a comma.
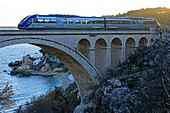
x: 81, y: 22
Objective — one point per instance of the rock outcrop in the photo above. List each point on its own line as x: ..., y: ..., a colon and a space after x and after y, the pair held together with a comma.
x: 45, y: 65
x: 140, y: 85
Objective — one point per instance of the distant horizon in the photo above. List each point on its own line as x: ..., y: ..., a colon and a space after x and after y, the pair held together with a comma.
x: 12, y: 12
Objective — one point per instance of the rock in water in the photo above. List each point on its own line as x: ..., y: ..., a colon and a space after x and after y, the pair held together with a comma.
x: 46, y: 68
x: 26, y: 60
x: 23, y: 68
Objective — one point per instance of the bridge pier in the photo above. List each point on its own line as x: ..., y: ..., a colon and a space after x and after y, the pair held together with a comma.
x: 108, y: 63
x: 92, y: 56
x: 123, y: 58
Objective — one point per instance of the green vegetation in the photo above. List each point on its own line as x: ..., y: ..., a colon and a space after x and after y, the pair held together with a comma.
x: 162, y: 14
x: 56, y: 101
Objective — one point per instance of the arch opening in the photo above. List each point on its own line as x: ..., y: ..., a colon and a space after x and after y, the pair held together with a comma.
x: 143, y: 42
x: 129, y: 46
x: 84, y: 47
x: 101, y: 55
x: 116, y: 52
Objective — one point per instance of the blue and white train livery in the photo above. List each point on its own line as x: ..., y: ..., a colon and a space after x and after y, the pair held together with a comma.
x: 81, y: 22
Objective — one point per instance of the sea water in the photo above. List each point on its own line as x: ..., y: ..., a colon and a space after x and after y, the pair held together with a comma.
x: 24, y: 87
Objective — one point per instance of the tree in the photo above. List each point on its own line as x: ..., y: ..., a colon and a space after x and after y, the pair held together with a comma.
x: 5, y: 95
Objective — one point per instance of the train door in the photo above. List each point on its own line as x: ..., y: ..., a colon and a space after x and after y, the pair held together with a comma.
x: 62, y: 23
x: 59, y: 22
x: 32, y: 22
x: 135, y: 24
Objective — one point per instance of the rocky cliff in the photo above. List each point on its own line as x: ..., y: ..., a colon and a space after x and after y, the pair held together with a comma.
x: 140, y: 85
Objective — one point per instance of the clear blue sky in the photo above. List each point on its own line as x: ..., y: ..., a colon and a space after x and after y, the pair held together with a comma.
x: 12, y: 11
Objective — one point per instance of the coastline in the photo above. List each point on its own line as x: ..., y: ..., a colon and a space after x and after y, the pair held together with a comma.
x: 65, y: 80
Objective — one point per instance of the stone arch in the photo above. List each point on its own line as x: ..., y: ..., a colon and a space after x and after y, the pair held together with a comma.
x: 129, y: 46
x: 84, y: 47
x: 85, y: 74
x: 116, y: 52
x: 143, y: 41
x: 101, y: 55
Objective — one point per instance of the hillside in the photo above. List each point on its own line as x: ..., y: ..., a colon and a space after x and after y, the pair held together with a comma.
x: 139, y: 85
x: 162, y: 14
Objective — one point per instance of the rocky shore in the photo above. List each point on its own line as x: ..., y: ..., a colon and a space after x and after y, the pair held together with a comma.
x: 47, y: 65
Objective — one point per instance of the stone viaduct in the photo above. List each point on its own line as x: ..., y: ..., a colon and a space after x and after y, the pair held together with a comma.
x: 87, y: 54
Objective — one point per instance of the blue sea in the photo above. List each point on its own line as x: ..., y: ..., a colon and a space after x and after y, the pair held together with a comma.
x: 24, y: 87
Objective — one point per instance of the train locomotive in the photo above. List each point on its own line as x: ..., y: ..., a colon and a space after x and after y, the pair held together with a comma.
x: 81, y: 22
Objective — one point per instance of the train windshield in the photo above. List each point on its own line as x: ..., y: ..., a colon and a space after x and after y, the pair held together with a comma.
x: 24, y: 19
x: 29, y: 21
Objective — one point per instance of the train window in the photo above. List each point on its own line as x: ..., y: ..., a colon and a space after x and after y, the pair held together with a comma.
x: 117, y: 22
x: 97, y: 22
x: 113, y: 22
x: 135, y: 22
x: 46, y: 20
x: 52, y: 20
x: 89, y: 21
x: 110, y: 21
x: 78, y: 21
x: 148, y: 22
x: 35, y: 20
x: 29, y: 21
x: 127, y: 22
x: 70, y: 21
x: 83, y: 22
x: 93, y: 22
x: 40, y: 20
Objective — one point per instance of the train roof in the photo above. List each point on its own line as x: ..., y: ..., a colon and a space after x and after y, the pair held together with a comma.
x: 67, y: 16
x: 76, y: 16
x: 130, y: 18
x: 57, y: 15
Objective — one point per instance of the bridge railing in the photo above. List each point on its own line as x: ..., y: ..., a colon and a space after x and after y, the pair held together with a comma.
x: 8, y: 28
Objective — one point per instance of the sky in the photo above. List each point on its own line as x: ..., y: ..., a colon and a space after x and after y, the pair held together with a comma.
x: 13, y: 11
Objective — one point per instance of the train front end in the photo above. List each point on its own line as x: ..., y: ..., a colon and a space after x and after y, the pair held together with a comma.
x: 26, y: 22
